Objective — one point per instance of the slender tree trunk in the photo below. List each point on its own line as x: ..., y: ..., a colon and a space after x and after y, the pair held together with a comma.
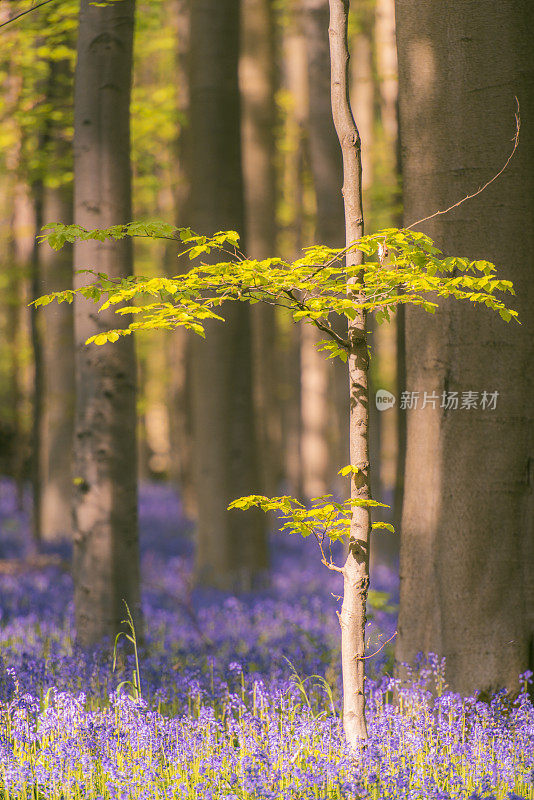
x: 11, y: 389
x: 37, y: 353
x: 57, y: 327
x: 106, y: 555
x: 356, y: 568
x: 467, y: 560
x: 231, y: 550
x: 23, y: 232
x: 58, y: 379
x: 257, y: 74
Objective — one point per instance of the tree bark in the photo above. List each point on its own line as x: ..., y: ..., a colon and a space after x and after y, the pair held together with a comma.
x: 467, y: 561
x: 362, y: 91
x: 324, y: 398
x: 58, y: 379
x: 257, y: 76
x: 106, y: 555
x: 37, y: 354
x: 292, y: 237
x: 356, y: 568
x: 22, y: 225
x: 390, y: 336
x: 57, y: 326
x: 231, y: 550
x: 178, y: 342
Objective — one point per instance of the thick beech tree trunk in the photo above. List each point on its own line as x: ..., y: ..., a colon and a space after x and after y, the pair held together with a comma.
x: 467, y: 560
x: 106, y: 555
x: 356, y: 568
x: 231, y: 548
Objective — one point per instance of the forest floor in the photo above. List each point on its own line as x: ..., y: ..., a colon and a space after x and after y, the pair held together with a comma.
x: 240, y: 695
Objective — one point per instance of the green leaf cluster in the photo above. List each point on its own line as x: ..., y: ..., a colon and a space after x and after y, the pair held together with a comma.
x: 323, y: 518
x: 37, y: 75
x: 313, y: 288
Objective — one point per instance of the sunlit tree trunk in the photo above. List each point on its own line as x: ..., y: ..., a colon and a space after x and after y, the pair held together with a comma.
x: 324, y: 398
x: 386, y: 65
x: 106, y: 556
x: 231, y: 550
x: 356, y: 568
x: 362, y: 97
x: 362, y: 88
x: 467, y: 561
x: 257, y: 75
x: 293, y: 234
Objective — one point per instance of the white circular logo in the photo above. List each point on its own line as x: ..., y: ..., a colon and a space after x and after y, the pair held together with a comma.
x: 384, y: 399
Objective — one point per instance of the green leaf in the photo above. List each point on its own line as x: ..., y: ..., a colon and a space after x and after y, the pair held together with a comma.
x: 100, y: 339
x: 350, y: 469
x: 385, y: 525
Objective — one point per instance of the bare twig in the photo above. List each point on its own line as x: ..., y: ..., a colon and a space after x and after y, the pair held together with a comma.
x: 379, y: 649
x: 321, y: 326
x: 331, y: 566
x: 22, y: 13
x: 482, y: 188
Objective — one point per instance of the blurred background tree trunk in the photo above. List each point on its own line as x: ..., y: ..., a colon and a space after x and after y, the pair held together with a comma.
x: 231, y: 547
x: 258, y: 82
x: 324, y: 404
x: 56, y: 328
x: 179, y: 343
x: 294, y: 219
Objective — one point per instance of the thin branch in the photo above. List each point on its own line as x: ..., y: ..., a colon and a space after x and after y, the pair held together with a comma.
x: 22, y: 13
x: 321, y: 326
x: 324, y: 560
x: 333, y: 567
x: 482, y: 188
x: 363, y: 658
